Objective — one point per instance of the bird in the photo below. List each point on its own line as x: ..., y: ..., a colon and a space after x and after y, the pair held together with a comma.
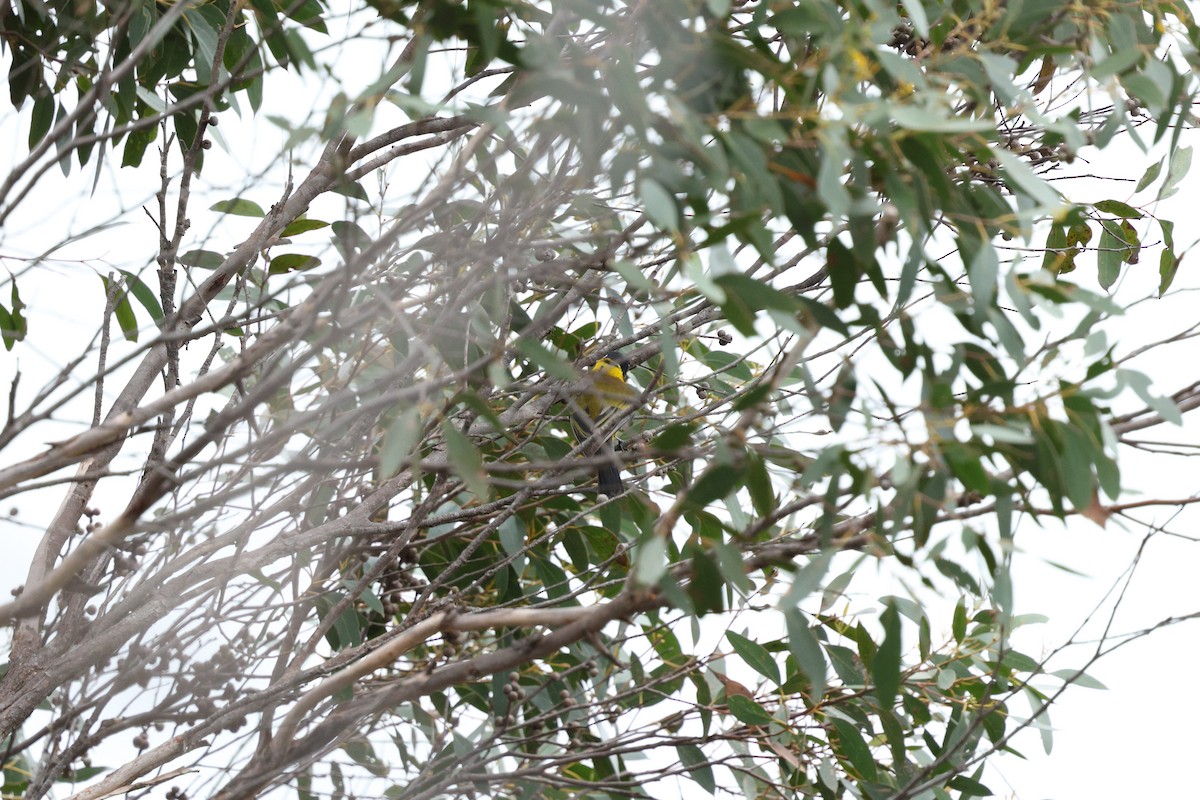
x: 609, y: 392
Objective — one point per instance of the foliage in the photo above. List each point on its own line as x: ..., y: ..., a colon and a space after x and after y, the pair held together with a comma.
x: 375, y: 563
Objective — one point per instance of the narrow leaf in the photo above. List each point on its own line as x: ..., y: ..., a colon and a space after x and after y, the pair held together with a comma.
x: 398, y: 442
x: 466, y: 460
x: 885, y: 668
x: 755, y: 655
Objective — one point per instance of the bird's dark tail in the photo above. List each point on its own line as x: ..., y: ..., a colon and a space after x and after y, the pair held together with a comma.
x: 609, y: 480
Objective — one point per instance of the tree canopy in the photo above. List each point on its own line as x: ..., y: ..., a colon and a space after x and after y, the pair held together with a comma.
x: 312, y: 516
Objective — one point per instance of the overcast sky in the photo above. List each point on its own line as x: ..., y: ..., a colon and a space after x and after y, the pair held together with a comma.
x: 1129, y: 740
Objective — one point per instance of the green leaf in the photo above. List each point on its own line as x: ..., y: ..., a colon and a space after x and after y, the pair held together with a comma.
x: 698, y: 768
x: 1168, y: 267
x: 651, y: 560
x: 43, y: 117
x: 554, y: 365
x: 804, y: 647
x: 959, y: 626
x: 1078, y: 678
x: 748, y: 711
x: 18, y: 326
x: 755, y: 655
x: 836, y: 588
x: 806, y: 580
x: 717, y: 482
x: 659, y: 204
x: 239, y: 207
x: 1118, y: 209
x: 830, y: 187
x: 885, y: 667
x: 1110, y: 257
x: 1017, y: 172
x: 1057, y: 259
x: 758, y: 481
x: 136, y: 144
x: 349, y: 237
x: 632, y: 275
x: 1145, y: 89
x: 850, y: 744
x: 935, y: 120
x: 293, y: 262
x: 673, y: 436
x: 733, y: 569
x: 303, y: 226
x: 307, y: 13
x: 123, y: 311
x: 969, y: 787
x: 361, y: 752
x: 352, y: 190
x: 202, y: 259
x: 707, y: 585
x: 144, y: 294
x: 757, y: 294
x: 398, y: 442
x: 1177, y: 170
x: 845, y: 386
x: 81, y: 774
x: 206, y: 36
x: 1149, y: 176
x: 465, y: 460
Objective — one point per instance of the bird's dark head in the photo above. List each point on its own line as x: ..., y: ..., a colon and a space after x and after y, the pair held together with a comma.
x: 618, y: 358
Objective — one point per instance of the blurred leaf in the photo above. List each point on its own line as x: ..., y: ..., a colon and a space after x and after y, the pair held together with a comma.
x: 803, y: 645
x: 1078, y: 678
x: 659, y: 204
x: 697, y: 766
x: 352, y: 190
x: 650, y: 563
x: 1149, y: 176
x: 717, y: 482
x: 885, y: 667
x: 1177, y: 169
x: 845, y: 387
x: 239, y: 207
x: 554, y: 365
x: 203, y: 259
x: 398, y: 442
x: 465, y: 460
x: 969, y: 787
x: 673, y: 436
x: 806, y: 580
x: 361, y: 752
x: 758, y: 481
x: 707, y: 585
x: 960, y: 621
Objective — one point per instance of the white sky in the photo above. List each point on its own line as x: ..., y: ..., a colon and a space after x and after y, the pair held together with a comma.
x: 1130, y: 740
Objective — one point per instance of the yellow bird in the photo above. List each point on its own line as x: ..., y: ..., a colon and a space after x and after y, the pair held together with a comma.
x: 609, y: 393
